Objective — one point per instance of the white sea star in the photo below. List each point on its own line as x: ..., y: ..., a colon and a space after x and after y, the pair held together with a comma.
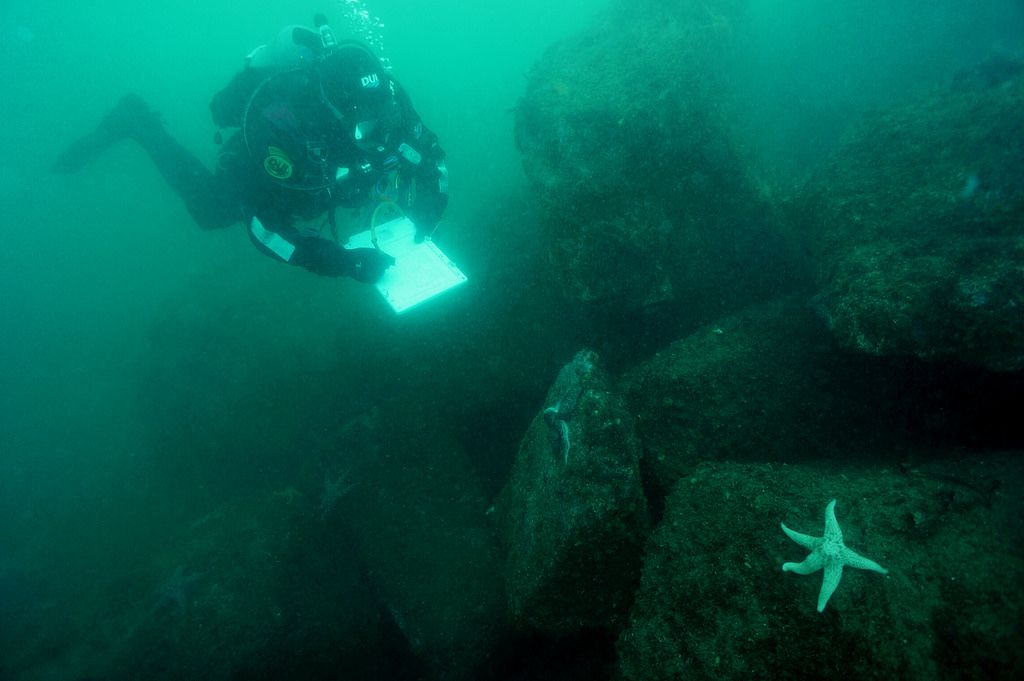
x: 830, y: 553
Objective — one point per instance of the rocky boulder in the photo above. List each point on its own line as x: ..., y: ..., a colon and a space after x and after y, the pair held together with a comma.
x: 573, y: 514
x: 756, y: 385
x: 715, y: 603
x: 770, y: 383
x: 916, y: 225
x: 645, y: 198
x: 239, y: 594
x: 418, y: 520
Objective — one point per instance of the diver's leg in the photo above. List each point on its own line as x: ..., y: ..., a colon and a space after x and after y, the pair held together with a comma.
x: 204, y: 194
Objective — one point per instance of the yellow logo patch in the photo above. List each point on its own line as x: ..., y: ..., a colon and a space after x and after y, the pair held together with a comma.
x: 277, y: 164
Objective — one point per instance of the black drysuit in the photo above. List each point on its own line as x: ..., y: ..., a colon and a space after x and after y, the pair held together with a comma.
x: 297, y: 156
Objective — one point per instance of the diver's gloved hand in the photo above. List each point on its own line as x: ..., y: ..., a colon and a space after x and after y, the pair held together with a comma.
x: 366, y: 265
x: 424, y: 231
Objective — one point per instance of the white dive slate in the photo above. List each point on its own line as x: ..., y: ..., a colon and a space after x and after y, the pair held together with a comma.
x: 421, y: 271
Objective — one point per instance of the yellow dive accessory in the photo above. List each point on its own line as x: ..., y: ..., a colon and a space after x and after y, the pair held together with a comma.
x: 277, y: 164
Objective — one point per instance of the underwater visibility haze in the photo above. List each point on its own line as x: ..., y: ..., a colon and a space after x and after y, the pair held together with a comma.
x: 732, y: 391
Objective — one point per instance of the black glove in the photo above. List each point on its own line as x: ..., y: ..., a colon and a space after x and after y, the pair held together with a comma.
x: 366, y: 265
x: 424, y: 231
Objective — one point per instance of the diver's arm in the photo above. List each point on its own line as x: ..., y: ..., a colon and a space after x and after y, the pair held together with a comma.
x: 414, y: 132
x: 423, y: 170
x: 423, y: 195
x: 318, y: 255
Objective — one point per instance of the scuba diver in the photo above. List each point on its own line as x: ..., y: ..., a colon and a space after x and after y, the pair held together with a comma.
x: 320, y: 124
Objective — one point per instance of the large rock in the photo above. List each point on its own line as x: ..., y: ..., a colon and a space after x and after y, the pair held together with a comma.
x: 770, y: 383
x: 715, y: 603
x: 418, y: 515
x: 573, y: 513
x: 917, y: 225
x: 260, y: 588
x: 645, y: 198
x: 757, y: 385
x: 377, y: 556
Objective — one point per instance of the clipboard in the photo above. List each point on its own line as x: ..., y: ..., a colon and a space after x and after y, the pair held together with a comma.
x: 421, y: 271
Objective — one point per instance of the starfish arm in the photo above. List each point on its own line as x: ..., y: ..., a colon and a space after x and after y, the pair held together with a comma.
x: 806, y: 541
x: 855, y: 560
x: 833, y: 573
x: 811, y: 563
x: 832, y: 529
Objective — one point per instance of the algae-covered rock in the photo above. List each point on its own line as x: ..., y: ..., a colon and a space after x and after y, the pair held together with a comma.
x: 715, y: 603
x: 770, y: 383
x: 239, y: 594
x: 766, y: 383
x: 418, y: 519
x: 573, y: 513
x: 644, y: 195
x: 917, y: 225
